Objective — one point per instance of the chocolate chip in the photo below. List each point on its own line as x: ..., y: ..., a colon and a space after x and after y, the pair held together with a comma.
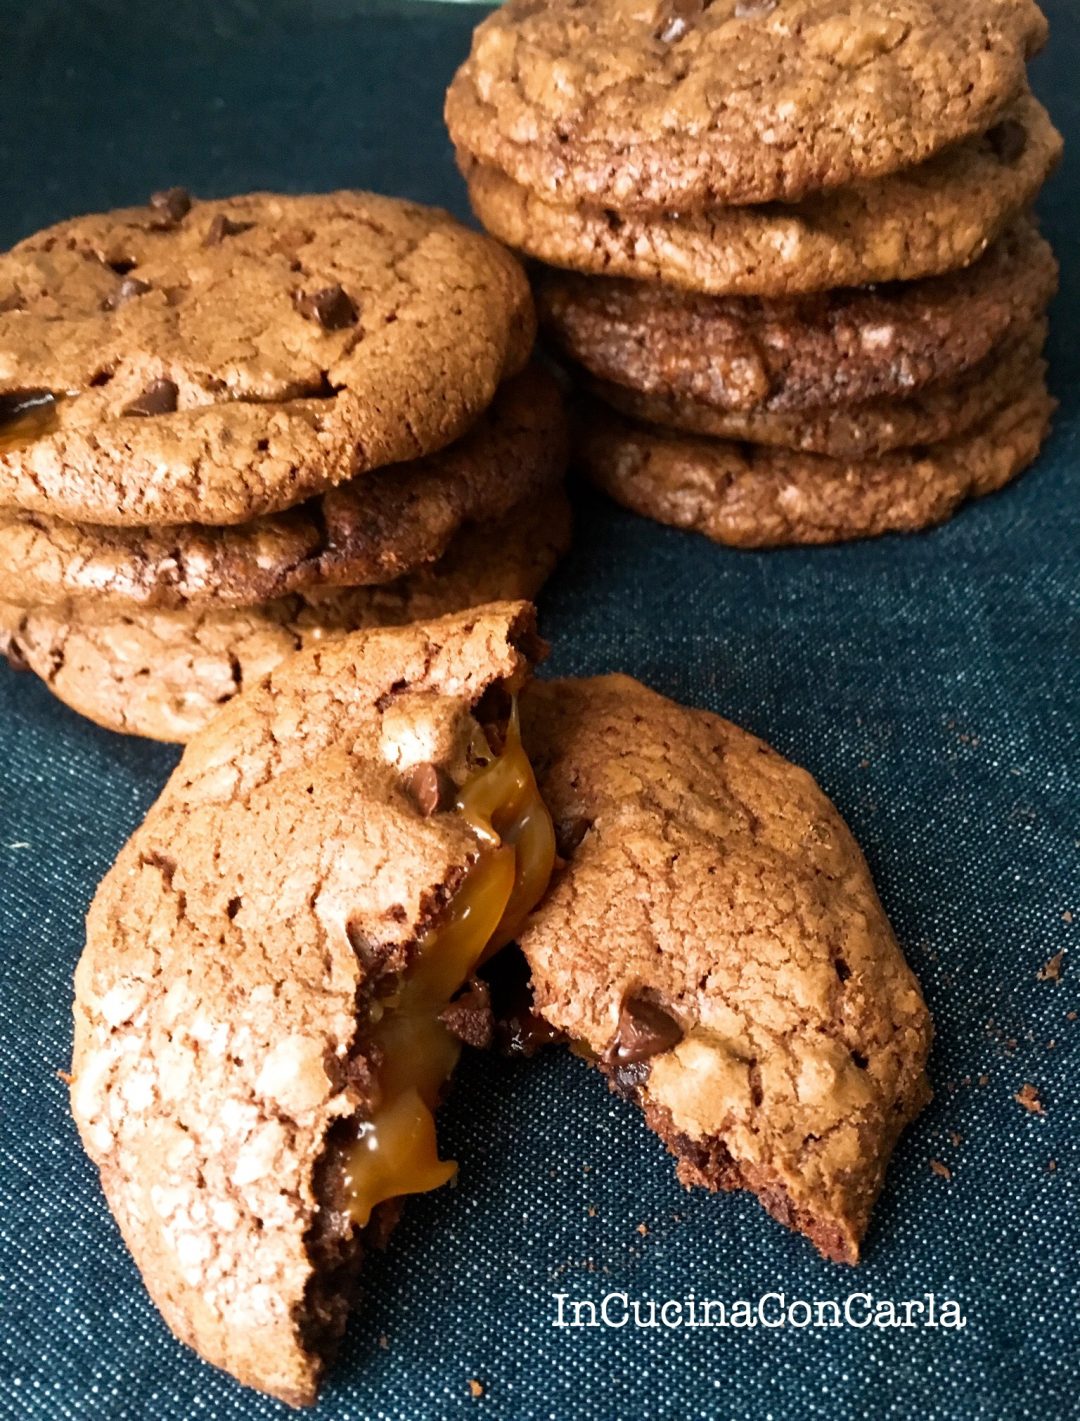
x: 626, y: 1081
x: 172, y: 204
x: 569, y: 834
x: 469, y: 1016
x: 223, y: 227
x: 127, y: 291
x: 16, y: 657
x: 677, y: 17
x: 644, y: 1030
x: 754, y: 9
x: 12, y: 302
x: 519, y: 1031
x: 1007, y: 140
x: 332, y: 307
x: 159, y: 397
x: 430, y: 788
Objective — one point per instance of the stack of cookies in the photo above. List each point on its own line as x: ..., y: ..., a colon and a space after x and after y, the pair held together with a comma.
x: 784, y: 244
x: 230, y: 429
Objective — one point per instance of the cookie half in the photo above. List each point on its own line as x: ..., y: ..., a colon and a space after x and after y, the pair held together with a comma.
x: 165, y: 674
x: 714, y: 943
x: 927, y: 220
x: 258, y: 1043
x: 661, y: 106
x: 373, y: 529
x: 753, y: 496
x: 838, y: 347
x: 212, y: 361
x: 934, y: 414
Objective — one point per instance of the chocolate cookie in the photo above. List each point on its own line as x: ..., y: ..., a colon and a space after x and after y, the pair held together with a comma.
x: 753, y: 496
x: 926, y: 220
x: 165, y: 674
x: 838, y: 347
x: 665, y: 105
x: 372, y: 529
x: 213, y: 361
x: 936, y: 413
x: 258, y: 1046
x: 716, y: 946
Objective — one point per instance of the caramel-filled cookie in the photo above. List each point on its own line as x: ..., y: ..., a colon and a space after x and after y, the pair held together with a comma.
x: 935, y: 413
x: 714, y: 943
x: 925, y: 220
x: 212, y: 361
x: 754, y: 496
x: 374, y: 529
x: 165, y: 674
x: 659, y: 106
x: 838, y: 347
x: 258, y: 1035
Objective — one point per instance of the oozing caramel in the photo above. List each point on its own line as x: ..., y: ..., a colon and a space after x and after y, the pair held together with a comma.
x: 395, y: 1151
x: 24, y: 418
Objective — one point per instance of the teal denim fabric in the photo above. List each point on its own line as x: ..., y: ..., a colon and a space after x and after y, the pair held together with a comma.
x: 930, y: 683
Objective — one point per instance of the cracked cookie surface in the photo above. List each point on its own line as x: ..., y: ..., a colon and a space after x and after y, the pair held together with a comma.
x: 279, y: 884
x: 223, y: 359
x: 926, y: 220
x: 651, y: 105
x: 837, y: 347
x: 165, y: 674
x: 373, y: 529
x: 753, y: 496
x: 716, y: 943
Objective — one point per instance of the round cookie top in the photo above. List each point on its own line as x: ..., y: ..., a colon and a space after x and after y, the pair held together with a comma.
x: 925, y: 220
x: 837, y: 347
x: 282, y: 881
x: 716, y: 942
x: 212, y: 361
x: 370, y: 530
x: 646, y: 105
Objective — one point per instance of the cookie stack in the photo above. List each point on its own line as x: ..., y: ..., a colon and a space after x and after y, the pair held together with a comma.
x: 231, y: 429
x: 783, y: 243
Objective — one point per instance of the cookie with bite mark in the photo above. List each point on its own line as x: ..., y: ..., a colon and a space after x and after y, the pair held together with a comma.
x: 714, y: 944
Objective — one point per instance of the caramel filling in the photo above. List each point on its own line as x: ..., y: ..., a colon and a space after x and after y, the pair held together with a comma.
x: 26, y: 417
x: 395, y: 1152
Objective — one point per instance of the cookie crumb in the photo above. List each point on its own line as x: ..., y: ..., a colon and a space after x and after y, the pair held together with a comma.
x: 591, y: 1211
x: 941, y: 1170
x: 1070, y: 1016
x: 66, y: 1077
x: 476, y: 1389
x: 384, y: 1341
x: 1028, y: 1097
x: 1052, y: 971
x: 955, y: 1138
x: 1066, y: 917
x: 643, y: 1229
x: 984, y: 1080
x: 1051, y: 1165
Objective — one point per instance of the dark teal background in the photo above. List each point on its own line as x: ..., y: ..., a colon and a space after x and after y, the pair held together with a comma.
x: 931, y: 684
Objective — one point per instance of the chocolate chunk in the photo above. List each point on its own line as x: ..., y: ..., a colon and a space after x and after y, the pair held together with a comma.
x: 676, y: 19
x: 644, y: 1030
x: 431, y: 789
x: 172, y: 204
x: 519, y: 1031
x: 223, y: 227
x: 626, y: 1081
x: 569, y: 834
x: 128, y: 289
x: 1007, y: 140
x: 12, y: 302
x: 469, y: 1016
x: 16, y: 658
x: 332, y: 307
x: 159, y: 397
